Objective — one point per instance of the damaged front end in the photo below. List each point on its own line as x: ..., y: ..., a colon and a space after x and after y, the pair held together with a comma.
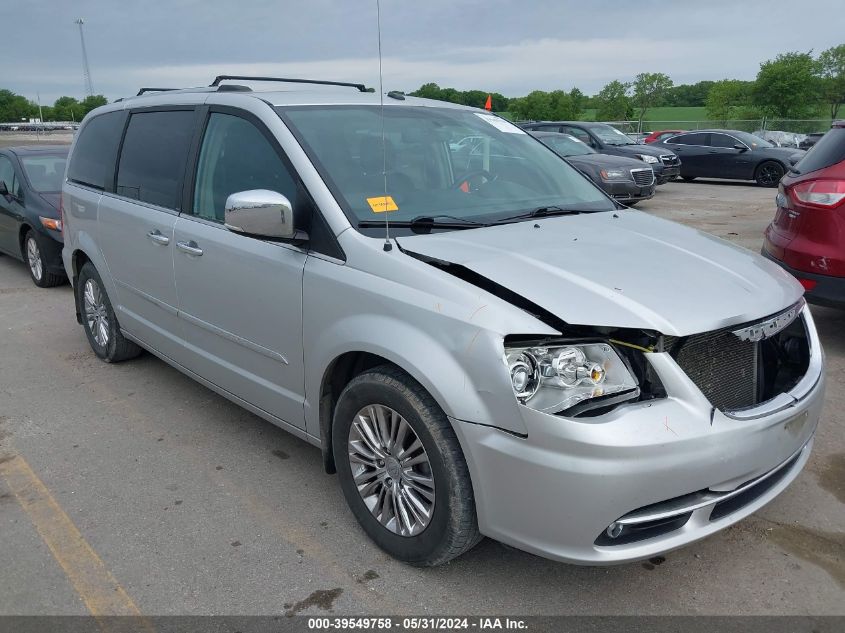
x: 590, y: 370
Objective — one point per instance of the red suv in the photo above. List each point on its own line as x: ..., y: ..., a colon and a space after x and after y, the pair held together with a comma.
x: 807, y: 236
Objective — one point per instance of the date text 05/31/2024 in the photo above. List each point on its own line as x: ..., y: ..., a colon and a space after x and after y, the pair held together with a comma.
x: 420, y: 623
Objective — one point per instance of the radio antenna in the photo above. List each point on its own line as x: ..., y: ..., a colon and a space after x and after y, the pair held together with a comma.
x: 387, y: 245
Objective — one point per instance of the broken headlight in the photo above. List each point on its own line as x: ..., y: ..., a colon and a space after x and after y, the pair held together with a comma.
x: 556, y: 378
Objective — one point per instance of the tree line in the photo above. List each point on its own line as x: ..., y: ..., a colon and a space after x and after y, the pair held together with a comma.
x: 15, y: 108
x: 792, y: 86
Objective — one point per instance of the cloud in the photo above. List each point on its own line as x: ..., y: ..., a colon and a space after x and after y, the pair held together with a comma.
x: 497, y: 45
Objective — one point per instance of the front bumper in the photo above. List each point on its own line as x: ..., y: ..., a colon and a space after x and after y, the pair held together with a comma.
x: 51, y: 249
x: 627, y: 191
x: 663, y: 173
x: 555, y: 492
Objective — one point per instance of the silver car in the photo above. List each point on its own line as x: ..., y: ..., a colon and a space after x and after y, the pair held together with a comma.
x: 481, y: 343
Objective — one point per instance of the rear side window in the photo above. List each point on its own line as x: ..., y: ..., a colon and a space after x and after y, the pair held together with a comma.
x: 689, y: 139
x: 828, y: 151
x: 153, y: 158
x: 92, y: 162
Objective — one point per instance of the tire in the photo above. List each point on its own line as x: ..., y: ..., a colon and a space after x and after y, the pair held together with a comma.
x: 98, y: 319
x: 688, y: 178
x: 33, y: 257
x: 452, y: 526
x: 769, y: 173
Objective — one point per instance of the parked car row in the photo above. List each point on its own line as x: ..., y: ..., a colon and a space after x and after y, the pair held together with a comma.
x: 606, y: 139
x: 515, y: 330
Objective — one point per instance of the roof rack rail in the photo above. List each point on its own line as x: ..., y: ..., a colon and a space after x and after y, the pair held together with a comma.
x: 143, y: 90
x: 219, y: 78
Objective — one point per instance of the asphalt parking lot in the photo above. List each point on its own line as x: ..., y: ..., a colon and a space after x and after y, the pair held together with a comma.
x: 131, y: 486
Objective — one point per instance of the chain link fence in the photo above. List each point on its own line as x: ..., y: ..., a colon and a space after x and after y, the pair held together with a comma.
x: 782, y: 132
x: 793, y: 126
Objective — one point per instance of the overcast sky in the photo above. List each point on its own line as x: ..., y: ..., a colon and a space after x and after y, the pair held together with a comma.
x: 496, y: 45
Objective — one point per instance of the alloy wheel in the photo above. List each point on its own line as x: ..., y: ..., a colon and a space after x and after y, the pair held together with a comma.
x: 96, y: 315
x: 770, y: 175
x: 33, y: 257
x: 391, y: 470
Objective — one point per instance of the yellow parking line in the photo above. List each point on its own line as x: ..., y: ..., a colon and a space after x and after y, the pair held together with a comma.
x: 101, y: 593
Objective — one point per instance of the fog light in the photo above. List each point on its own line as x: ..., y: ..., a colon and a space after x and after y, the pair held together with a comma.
x: 614, y: 529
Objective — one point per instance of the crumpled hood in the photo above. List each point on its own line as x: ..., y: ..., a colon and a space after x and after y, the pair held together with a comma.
x: 623, y: 269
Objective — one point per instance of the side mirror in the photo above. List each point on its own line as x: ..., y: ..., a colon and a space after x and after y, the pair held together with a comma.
x: 260, y: 212
x: 741, y: 147
x: 4, y: 190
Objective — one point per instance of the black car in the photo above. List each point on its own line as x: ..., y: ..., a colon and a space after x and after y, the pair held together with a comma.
x: 730, y: 154
x: 606, y: 139
x: 625, y: 179
x: 811, y: 139
x: 30, y: 220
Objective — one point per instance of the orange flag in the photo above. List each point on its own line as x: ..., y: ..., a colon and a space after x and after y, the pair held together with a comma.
x: 489, y: 104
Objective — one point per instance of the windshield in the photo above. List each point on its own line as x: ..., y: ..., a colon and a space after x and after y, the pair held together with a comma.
x: 609, y: 135
x: 754, y: 142
x: 468, y: 165
x: 566, y: 145
x: 44, y: 173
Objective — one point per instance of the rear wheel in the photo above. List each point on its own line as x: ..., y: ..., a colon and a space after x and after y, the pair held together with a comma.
x: 768, y: 174
x: 34, y: 258
x: 99, y: 321
x: 401, y: 469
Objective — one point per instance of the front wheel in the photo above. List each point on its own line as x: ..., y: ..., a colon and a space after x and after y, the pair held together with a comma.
x: 401, y: 469
x: 34, y: 258
x: 768, y: 174
x: 98, y: 319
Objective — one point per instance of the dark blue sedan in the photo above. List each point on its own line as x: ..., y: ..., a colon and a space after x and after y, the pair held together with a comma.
x: 30, y: 219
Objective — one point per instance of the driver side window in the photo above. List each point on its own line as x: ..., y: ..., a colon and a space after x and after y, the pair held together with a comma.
x: 581, y: 135
x: 7, y: 175
x: 235, y: 156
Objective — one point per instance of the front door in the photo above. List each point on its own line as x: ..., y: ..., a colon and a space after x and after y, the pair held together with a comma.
x: 240, y: 298
x: 10, y: 209
x: 724, y: 160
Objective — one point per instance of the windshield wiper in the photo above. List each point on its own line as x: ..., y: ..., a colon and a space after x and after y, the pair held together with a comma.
x: 540, y: 212
x: 424, y: 223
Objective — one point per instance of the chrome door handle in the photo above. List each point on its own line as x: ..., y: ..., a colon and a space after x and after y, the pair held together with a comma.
x: 157, y: 237
x: 190, y: 248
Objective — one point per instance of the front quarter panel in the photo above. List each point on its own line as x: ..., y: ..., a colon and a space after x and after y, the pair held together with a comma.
x: 442, y: 331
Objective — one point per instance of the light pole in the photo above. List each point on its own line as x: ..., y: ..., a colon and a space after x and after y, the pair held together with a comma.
x: 86, y: 71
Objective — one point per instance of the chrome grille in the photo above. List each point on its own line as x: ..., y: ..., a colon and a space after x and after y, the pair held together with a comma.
x: 670, y: 159
x: 643, y: 177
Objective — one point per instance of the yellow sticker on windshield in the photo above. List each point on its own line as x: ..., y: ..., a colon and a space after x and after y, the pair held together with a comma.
x: 381, y: 204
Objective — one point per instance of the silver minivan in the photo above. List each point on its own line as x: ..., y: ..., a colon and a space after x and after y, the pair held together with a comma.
x: 481, y: 342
